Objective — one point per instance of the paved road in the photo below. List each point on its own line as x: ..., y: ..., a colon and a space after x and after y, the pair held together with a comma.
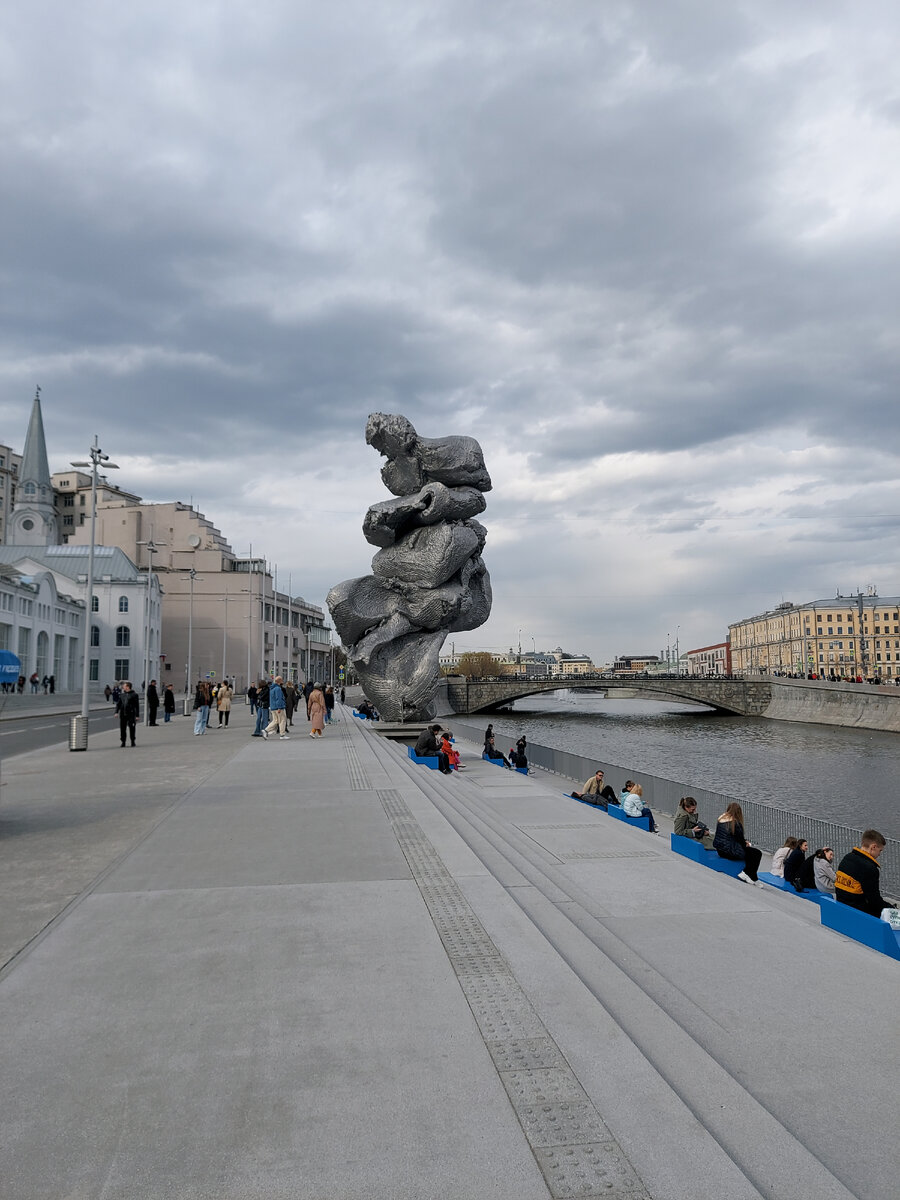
x: 23, y: 734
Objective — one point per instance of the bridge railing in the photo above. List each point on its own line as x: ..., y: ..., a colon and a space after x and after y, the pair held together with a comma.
x: 766, y: 826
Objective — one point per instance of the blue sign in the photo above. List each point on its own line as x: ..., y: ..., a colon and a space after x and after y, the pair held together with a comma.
x: 10, y: 667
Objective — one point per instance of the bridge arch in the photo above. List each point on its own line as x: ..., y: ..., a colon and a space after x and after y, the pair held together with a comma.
x: 731, y: 696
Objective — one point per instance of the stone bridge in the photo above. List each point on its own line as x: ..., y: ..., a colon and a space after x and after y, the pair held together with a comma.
x: 749, y: 698
x: 861, y: 706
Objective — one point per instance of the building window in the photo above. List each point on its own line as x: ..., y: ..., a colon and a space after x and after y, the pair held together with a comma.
x: 123, y: 604
x: 95, y: 635
x: 123, y: 668
x: 94, y: 670
x: 123, y: 637
x: 30, y: 489
x: 95, y: 603
x: 68, y: 520
x: 68, y: 501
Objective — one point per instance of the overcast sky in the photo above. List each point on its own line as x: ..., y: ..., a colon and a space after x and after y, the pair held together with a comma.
x: 646, y: 253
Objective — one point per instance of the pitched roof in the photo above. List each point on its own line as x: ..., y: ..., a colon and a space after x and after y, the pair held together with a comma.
x: 72, y: 561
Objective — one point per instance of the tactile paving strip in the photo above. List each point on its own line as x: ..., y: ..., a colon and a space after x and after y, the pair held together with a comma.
x: 359, y: 780
x: 577, y: 1154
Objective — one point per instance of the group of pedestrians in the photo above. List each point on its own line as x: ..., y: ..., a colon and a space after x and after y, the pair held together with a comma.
x: 206, y: 696
x: 275, y: 704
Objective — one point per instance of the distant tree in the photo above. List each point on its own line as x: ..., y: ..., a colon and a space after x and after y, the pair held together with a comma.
x: 476, y: 664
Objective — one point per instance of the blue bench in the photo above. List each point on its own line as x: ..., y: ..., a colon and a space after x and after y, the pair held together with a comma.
x: 425, y: 760
x: 497, y: 762
x: 870, y: 931
x: 690, y: 848
x: 614, y: 810
x: 779, y: 882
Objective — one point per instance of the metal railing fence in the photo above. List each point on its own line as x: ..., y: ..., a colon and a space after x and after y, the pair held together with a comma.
x: 766, y: 826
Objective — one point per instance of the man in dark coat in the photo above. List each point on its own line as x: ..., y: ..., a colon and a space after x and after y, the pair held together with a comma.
x: 152, y: 702
x: 857, y: 881
x: 128, y: 706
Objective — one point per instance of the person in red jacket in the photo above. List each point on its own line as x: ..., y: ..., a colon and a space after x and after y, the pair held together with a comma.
x: 857, y: 880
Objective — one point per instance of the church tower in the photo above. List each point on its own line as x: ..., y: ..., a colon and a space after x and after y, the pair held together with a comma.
x: 33, y: 521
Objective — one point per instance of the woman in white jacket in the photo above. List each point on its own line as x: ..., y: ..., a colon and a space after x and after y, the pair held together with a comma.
x: 634, y: 806
x: 781, y: 854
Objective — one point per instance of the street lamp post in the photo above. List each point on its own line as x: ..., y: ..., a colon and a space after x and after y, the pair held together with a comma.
x: 151, y: 550
x: 192, y: 575
x: 224, y: 600
x: 97, y: 457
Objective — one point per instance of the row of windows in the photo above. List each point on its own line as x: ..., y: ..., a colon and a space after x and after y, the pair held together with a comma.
x: 123, y: 635
x: 122, y: 669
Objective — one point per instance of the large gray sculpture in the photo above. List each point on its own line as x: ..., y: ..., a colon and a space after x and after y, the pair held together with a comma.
x: 428, y: 577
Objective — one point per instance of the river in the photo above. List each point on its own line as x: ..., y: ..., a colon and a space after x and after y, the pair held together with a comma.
x: 845, y: 775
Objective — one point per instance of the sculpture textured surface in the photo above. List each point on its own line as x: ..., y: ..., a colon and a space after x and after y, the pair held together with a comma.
x: 428, y: 579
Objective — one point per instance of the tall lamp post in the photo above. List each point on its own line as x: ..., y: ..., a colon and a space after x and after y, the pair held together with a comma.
x: 192, y: 575
x: 78, y: 736
x: 224, y: 600
x: 151, y: 550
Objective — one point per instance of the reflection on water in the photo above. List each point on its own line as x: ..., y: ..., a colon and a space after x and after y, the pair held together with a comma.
x: 844, y: 775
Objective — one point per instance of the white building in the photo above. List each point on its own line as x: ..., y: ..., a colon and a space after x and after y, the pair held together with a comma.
x: 41, y: 624
x: 118, y: 636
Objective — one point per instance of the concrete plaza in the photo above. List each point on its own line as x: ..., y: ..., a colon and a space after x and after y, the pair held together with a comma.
x: 245, y: 970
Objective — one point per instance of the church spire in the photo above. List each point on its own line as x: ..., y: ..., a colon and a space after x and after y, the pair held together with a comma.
x: 33, y: 521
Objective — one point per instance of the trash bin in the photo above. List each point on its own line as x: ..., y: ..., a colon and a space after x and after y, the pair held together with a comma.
x: 78, y: 733
x: 188, y: 707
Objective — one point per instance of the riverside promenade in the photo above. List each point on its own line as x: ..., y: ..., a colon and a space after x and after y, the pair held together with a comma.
x: 247, y: 970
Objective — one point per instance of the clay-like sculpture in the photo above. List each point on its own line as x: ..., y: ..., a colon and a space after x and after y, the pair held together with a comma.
x: 429, y: 578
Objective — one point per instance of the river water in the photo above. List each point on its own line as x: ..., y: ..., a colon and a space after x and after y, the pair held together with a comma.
x: 851, y: 776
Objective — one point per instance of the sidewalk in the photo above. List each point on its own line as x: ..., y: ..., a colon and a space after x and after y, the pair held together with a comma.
x: 240, y: 969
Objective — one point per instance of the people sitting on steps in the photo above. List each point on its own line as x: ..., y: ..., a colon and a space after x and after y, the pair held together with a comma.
x: 688, y: 823
x: 730, y: 843
x: 427, y: 747
x: 793, y: 864
x: 857, y: 881
x: 778, y: 858
x: 633, y: 806
x: 492, y: 752
x: 594, y: 791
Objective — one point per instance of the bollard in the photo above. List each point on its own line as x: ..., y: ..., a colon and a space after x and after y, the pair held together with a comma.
x: 78, y: 733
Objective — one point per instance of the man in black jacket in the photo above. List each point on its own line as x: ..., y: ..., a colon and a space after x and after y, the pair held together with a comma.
x: 427, y: 747
x: 128, y: 706
x: 857, y: 882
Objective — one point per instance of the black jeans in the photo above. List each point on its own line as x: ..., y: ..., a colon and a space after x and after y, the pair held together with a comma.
x: 127, y: 725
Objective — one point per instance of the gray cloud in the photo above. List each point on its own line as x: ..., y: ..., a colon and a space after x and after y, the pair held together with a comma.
x: 644, y: 252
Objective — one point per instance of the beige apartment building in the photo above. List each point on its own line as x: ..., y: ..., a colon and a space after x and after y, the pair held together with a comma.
x: 9, y: 477
x: 846, y: 637
x: 222, y: 615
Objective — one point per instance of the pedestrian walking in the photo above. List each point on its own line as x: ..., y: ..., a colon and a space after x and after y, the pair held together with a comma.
x: 329, y: 704
x: 252, y: 693
x: 277, y: 718
x: 168, y: 703
x: 128, y: 706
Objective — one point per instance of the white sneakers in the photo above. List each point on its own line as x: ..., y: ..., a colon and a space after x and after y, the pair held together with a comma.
x: 745, y: 878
